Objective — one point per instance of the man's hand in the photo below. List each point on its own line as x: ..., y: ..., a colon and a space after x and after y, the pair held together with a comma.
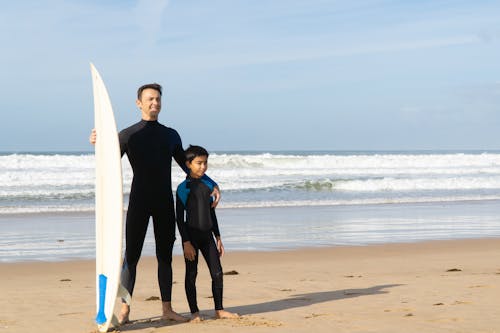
x: 189, y: 252
x: 93, y: 136
x: 216, y: 194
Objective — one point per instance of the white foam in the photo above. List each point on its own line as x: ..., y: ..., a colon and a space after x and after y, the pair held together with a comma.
x: 44, y: 183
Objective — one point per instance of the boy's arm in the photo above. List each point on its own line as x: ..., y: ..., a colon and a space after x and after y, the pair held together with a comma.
x: 220, y: 247
x: 189, y: 251
x: 216, y: 232
x: 179, y: 210
x: 215, y: 224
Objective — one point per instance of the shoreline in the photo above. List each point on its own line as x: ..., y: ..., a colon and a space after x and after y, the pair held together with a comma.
x: 375, y: 204
x: 431, y: 286
x: 341, y: 247
x: 63, y: 236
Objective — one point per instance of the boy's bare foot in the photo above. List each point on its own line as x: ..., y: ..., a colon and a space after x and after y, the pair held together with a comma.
x: 170, y: 314
x: 223, y: 314
x: 195, y: 318
x: 124, y: 313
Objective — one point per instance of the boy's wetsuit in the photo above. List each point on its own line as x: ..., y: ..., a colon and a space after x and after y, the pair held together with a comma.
x: 199, y: 227
x: 150, y: 147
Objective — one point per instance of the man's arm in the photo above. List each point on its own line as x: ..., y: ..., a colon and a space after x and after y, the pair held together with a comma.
x: 93, y: 140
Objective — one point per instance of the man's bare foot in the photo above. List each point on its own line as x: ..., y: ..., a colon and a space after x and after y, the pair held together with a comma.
x: 223, y: 314
x: 195, y: 318
x: 124, y: 313
x: 174, y: 316
x: 170, y: 314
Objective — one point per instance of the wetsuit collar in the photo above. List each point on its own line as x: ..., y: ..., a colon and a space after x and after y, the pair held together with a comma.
x: 149, y: 121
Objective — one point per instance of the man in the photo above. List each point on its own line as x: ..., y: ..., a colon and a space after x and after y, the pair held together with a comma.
x: 150, y: 147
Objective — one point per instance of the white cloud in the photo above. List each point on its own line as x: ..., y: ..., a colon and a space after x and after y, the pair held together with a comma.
x: 148, y: 16
x: 243, y: 56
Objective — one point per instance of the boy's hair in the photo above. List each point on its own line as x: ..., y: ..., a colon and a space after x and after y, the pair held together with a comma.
x: 154, y: 86
x: 194, y: 151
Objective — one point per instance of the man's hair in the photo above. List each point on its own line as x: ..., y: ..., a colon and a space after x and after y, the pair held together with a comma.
x: 194, y: 151
x: 154, y: 86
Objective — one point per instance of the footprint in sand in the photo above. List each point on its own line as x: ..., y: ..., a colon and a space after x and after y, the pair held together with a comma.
x: 444, y: 320
x: 69, y: 314
x: 454, y: 270
x: 152, y: 298
x: 6, y: 323
x: 246, y: 320
x: 314, y: 315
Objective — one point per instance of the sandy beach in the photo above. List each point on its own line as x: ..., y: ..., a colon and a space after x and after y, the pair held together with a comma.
x: 438, y: 286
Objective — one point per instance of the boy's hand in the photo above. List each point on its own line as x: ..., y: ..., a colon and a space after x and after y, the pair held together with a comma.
x: 220, y: 247
x: 189, y: 252
x: 216, y: 194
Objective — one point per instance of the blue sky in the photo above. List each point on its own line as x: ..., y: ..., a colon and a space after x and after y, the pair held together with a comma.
x: 257, y: 75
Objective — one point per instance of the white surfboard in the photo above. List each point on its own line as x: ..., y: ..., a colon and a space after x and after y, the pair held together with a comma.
x: 108, y: 205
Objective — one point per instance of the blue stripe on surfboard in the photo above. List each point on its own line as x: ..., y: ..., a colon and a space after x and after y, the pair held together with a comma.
x: 101, y: 317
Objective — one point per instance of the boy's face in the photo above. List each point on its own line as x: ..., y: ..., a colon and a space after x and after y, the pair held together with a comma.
x: 198, y: 166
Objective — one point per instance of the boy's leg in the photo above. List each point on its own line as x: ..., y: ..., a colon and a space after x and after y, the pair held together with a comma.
x: 211, y: 255
x: 212, y: 258
x: 190, y: 281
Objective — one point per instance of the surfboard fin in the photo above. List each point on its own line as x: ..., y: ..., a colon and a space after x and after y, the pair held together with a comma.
x: 101, y: 317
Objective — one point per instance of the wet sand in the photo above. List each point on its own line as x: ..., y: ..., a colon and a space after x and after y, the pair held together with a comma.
x: 437, y: 286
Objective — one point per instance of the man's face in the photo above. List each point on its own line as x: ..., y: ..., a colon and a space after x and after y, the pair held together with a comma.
x: 150, y: 104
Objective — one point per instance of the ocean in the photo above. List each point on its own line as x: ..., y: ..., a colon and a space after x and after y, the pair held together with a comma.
x: 270, y: 200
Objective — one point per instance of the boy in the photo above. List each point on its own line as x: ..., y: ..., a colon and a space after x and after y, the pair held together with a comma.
x: 198, y: 230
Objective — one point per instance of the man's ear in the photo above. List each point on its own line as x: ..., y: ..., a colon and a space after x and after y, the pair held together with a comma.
x: 188, y: 164
x: 138, y: 103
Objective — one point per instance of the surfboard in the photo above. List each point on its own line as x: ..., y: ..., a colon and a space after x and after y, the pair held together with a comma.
x: 108, y: 205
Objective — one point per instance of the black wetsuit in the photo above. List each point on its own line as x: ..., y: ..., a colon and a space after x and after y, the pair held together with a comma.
x: 150, y: 147
x: 199, y: 227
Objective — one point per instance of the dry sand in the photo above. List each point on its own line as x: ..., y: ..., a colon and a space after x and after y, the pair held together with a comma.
x: 442, y: 286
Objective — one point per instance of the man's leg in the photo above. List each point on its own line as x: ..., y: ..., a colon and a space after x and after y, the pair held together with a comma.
x: 164, y: 228
x: 135, y: 232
